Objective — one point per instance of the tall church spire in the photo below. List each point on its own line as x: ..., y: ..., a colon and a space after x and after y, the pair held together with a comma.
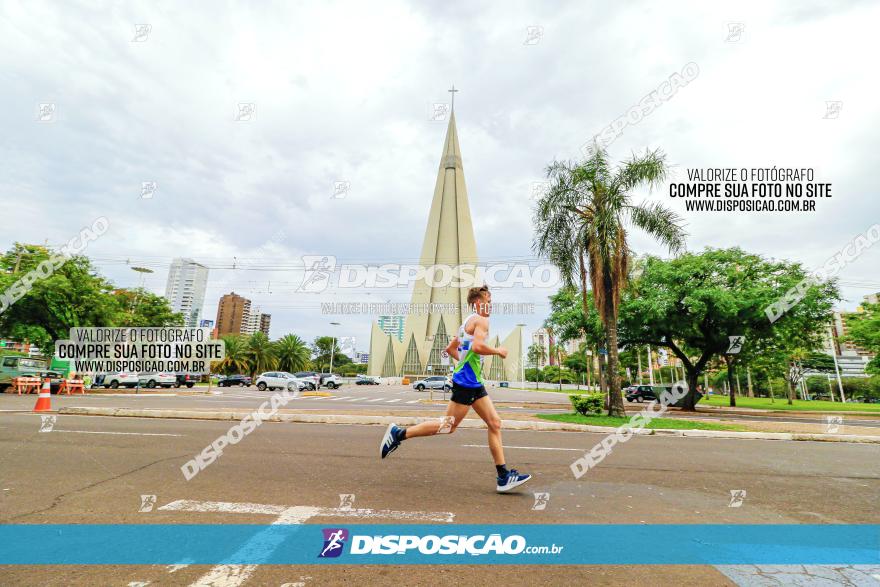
x: 448, y: 243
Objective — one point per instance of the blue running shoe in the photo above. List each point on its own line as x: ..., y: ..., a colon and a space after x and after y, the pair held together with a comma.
x: 389, y: 441
x: 513, y: 480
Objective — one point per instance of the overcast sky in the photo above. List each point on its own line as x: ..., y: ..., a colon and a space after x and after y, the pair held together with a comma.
x: 344, y: 92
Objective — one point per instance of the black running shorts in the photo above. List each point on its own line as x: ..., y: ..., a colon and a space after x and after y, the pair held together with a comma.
x: 467, y: 395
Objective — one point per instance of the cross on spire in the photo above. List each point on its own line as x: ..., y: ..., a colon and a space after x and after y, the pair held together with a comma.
x: 452, y: 91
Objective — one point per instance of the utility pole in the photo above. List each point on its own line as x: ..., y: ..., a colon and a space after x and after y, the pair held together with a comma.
x: 837, y: 372
x: 639, y: 357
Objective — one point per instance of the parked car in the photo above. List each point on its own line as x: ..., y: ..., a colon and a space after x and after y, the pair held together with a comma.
x: 229, y: 381
x: 366, y: 380
x: 153, y: 379
x: 330, y: 380
x: 434, y: 382
x: 120, y: 379
x: 642, y: 393
x: 11, y: 367
x: 273, y: 380
x: 188, y: 379
x: 310, y: 378
x: 19, y: 366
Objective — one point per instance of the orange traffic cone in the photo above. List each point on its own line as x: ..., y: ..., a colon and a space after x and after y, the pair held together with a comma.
x: 44, y: 402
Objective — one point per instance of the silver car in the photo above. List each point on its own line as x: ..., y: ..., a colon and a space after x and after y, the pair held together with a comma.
x: 153, y: 379
x: 433, y: 382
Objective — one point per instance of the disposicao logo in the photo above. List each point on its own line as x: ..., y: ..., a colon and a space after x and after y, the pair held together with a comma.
x: 334, y: 541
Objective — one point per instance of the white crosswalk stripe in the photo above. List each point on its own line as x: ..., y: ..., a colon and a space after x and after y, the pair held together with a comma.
x: 415, y: 401
x: 391, y: 401
x: 336, y: 399
x: 377, y: 399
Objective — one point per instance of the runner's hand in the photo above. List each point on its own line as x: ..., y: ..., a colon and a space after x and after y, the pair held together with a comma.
x: 501, y: 352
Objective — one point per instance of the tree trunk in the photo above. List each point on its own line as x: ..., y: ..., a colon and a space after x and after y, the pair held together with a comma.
x: 603, y: 382
x: 730, y: 374
x: 615, y: 397
x: 690, y: 403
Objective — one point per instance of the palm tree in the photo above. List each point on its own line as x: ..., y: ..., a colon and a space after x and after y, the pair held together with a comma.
x: 235, y: 358
x: 261, y: 353
x: 581, y: 228
x: 292, y: 352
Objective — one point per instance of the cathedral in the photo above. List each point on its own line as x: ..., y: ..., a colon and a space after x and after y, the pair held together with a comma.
x: 449, y: 240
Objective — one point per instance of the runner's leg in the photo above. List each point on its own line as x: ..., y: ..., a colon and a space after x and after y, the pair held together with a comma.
x: 430, y: 427
x: 486, y: 410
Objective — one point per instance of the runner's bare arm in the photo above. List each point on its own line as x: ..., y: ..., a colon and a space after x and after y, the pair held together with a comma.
x: 479, y: 346
x: 452, y: 348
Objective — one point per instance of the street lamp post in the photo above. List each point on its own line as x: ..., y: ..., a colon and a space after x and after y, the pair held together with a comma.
x: 143, y: 272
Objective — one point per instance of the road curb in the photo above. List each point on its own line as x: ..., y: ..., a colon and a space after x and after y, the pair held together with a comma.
x: 469, y: 423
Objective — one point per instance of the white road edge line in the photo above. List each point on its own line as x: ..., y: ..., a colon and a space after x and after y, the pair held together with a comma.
x: 119, y: 433
x: 525, y: 447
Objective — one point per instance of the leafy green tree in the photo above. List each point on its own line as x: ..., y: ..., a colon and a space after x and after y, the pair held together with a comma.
x: 73, y: 295
x: 693, y: 304
x: 322, y: 349
x: 261, y: 354
x: 864, y: 331
x: 140, y: 308
x: 581, y: 228
x: 292, y: 352
x: 819, y: 362
x: 569, y: 321
x: 236, y: 358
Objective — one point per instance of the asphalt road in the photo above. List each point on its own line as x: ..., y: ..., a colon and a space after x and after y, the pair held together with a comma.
x: 95, y: 470
x: 346, y: 398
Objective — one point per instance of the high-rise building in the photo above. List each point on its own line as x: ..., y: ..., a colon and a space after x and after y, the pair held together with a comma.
x: 544, y: 340
x: 185, y: 289
x: 392, y: 326
x: 449, y: 240
x: 233, y: 313
x: 255, y: 321
x: 265, y: 322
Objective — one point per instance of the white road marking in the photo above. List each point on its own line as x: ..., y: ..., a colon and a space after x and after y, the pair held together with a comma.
x: 137, y: 395
x: 525, y: 447
x: 174, y: 568
x: 336, y: 399
x: 357, y: 399
x: 119, y: 433
x: 264, y: 543
x: 391, y: 401
x: 415, y: 401
x: 376, y: 399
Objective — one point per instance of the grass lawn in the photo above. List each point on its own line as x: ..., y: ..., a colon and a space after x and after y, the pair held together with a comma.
x: 556, y: 390
x: 656, y: 423
x: 763, y: 403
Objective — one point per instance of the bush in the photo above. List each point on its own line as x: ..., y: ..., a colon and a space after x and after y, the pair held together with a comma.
x: 592, y: 403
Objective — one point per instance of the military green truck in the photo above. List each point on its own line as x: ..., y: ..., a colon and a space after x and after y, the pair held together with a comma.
x: 20, y: 366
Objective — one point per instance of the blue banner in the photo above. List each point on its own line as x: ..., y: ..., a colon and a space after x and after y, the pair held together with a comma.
x: 516, y: 544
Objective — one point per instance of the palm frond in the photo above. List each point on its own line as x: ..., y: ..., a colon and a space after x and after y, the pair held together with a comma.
x: 661, y: 223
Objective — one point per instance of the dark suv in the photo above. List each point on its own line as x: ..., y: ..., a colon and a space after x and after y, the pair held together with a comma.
x: 240, y: 380
x: 649, y: 393
x: 188, y: 379
x: 645, y: 393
